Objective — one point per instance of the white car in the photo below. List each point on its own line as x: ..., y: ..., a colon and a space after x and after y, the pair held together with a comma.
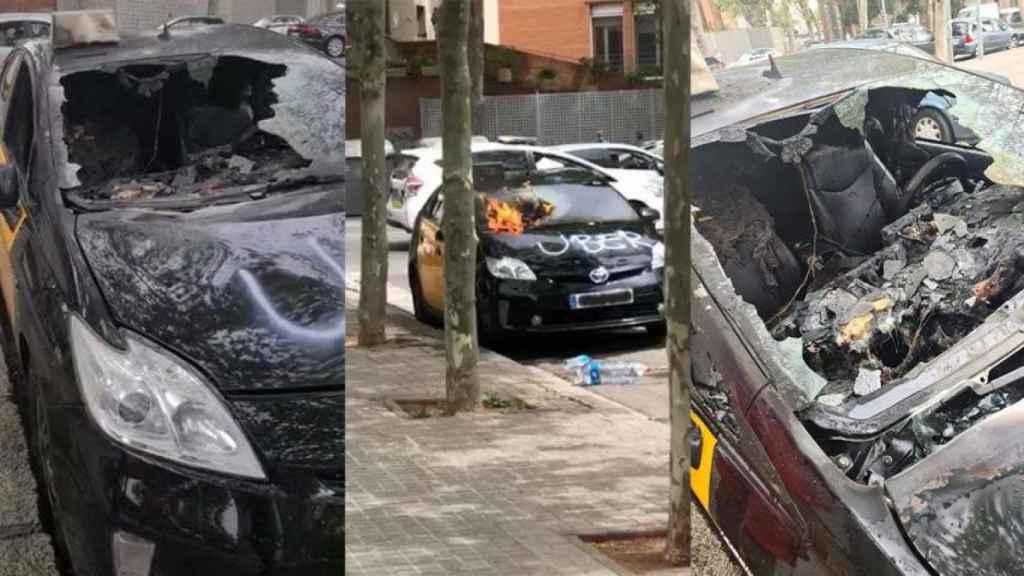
x: 16, y: 27
x: 279, y: 23
x: 417, y: 173
x: 640, y: 173
x: 756, y: 56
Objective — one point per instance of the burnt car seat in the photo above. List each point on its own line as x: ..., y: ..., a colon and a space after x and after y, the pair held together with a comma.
x: 853, y: 194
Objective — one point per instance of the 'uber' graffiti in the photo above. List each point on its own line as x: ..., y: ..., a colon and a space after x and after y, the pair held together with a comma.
x: 596, y: 243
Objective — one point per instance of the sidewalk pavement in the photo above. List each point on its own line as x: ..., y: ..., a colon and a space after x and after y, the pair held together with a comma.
x: 488, y: 493
x: 25, y: 548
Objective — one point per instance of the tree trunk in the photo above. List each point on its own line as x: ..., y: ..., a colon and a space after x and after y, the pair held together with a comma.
x: 476, y: 53
x: 677, y: 269
x: 826, y: 20
x: 462, y: 385
x: 862, y: 15
x: 697, y: 30
x: 366, y: 20
x: 943, y: 31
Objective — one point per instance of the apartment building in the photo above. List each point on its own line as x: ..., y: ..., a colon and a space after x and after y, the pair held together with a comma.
x: 619, y: 34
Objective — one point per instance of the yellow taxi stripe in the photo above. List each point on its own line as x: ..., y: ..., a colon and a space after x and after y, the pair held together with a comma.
x: 700, y: 475
x: 7, y: 234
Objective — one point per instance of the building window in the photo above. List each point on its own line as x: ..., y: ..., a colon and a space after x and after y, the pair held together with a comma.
x: 608, y: 41
x: 648, y: 51
x: 421, y: 21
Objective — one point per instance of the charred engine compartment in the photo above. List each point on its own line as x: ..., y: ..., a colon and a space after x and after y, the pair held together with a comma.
x: 874, y: 252
x: 176, y: 127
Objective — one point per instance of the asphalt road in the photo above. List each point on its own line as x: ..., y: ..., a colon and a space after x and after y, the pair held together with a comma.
x: 649, y: 395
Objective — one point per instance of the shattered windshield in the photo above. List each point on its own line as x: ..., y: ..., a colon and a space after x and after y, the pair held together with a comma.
x: 201, y: 126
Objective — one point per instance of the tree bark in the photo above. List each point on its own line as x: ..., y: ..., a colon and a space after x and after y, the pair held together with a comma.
x: 697, y: 30
x: 677, y: 52
x: 476, y: 53
x: 942, y: 30
x: 366, y: 20
x: 462, y: 384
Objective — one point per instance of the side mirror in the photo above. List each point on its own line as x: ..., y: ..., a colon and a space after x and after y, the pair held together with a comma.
x: 10, y: 180
x: 649, y: 214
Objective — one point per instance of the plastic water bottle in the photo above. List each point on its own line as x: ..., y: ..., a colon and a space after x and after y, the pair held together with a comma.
x: 618, y: 372
x: 585, y: 371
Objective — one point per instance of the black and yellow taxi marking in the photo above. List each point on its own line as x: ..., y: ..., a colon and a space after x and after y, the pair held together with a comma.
x: 702, y: 461
x: 10, y: 224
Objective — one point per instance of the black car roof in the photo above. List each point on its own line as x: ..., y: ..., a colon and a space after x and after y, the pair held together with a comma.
x: 206, y: 40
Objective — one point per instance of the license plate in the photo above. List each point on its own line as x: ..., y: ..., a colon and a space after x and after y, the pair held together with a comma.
x: 598, y: 299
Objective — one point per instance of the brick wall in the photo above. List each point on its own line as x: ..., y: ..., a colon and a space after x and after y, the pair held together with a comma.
x: 28, y: 5
x: 559, y: 27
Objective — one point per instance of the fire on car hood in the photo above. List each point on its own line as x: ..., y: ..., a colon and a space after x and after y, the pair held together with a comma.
x: 251, y: 293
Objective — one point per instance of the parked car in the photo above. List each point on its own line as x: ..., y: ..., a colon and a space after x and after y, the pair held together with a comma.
x: 279, y: 23
x: 633, y: 167
x: 326, y: 32
x: 15, y: 28
x: 995, y: 34
x: 1012, y: 18
x: 865, y: 425
x: 354, y: 175
x: 989, y: 10
x: 173, y: 309
x: 190, y: 22
x: 559, y: 250
x: 756, y: 56
x: 915, y: 35
x: 417, y: 171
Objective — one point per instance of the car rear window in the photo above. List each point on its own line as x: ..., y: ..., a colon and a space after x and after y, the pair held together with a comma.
x: 960, y: 28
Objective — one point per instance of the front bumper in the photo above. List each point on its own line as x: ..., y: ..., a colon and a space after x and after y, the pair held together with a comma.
x: 515, y: 305
x: 198, y: 523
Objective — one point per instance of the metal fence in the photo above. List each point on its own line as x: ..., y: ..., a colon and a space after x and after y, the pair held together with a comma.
x: 564, y: 118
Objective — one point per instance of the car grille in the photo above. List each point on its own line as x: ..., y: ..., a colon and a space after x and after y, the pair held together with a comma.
x: 645, y: 303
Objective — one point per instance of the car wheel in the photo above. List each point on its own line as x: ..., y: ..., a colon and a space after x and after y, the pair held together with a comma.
x: 41, y: 454
x: 419, y: 307
x: 335, y: 46
x: 931, y: 124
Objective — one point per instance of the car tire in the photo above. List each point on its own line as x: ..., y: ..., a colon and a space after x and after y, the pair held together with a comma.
x: 335, y: 46
x: 419, y: 307
x: 932, y: 124
x: 37, y: 426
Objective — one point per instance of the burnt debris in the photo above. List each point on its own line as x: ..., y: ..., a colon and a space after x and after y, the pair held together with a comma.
x: 177, y: 128
x: 876, y: 262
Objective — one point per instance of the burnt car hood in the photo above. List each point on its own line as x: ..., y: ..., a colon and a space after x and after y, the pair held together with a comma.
x: 571, y: 250
x: 250, y: 293
x: 962, y: 507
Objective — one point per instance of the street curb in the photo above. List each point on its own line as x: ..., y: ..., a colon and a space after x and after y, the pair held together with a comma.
x: 543, y: 378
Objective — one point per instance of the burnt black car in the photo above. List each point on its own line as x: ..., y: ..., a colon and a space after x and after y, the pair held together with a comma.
x: 559, y: 249
x: 326, y: 33
x: 858, y: 302
x: 173, y: 310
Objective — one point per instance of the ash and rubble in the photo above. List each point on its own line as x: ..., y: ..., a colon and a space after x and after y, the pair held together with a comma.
x: 945, y: 267
x: 174, y: 129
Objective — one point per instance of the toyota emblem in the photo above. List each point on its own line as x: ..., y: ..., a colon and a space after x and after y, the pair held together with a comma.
x: 599, y: 275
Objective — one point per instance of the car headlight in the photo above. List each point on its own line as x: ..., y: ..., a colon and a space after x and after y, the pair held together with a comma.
x: 150, y: 401
x: 658, y: 256
x: 510, y: 269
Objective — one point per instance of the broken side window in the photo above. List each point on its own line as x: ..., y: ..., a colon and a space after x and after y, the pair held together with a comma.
x: 202, y: 126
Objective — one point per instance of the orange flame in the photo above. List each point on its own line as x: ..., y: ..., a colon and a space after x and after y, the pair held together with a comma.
x: 503, y: 217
